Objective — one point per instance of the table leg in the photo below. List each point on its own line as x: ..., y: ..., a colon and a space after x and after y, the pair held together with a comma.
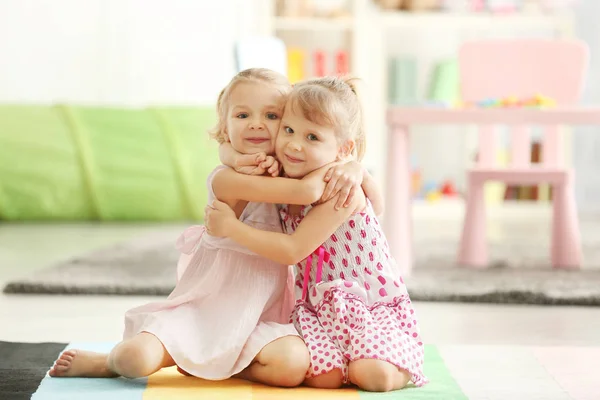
x: 398, y: 218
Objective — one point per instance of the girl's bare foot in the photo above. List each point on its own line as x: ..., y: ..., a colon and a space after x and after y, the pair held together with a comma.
x: 81, y: 363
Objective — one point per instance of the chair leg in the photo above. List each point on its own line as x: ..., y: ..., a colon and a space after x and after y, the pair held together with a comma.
x: 473, y: 244
x: 566, y: 237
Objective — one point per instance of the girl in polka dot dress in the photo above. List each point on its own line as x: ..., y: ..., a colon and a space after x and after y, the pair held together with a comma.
x: 352, y: 307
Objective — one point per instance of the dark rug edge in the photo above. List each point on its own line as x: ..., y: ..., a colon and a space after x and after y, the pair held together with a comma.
x: 23, y: 366
x: 36, y: 288
x: 493, y: 297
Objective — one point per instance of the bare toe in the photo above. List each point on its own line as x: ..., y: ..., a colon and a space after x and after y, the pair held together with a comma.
x: 81, y: 363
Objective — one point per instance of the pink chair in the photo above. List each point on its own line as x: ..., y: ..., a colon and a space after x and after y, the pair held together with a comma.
x: 522, y: 68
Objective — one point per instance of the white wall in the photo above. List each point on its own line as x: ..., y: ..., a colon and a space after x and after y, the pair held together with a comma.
x: 121, y: 52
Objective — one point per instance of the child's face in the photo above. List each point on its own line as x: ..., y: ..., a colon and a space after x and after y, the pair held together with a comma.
x: 303, y: 146
x: 253, y: 117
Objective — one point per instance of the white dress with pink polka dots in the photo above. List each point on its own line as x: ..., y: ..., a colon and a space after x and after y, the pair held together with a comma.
x: 356, y: 305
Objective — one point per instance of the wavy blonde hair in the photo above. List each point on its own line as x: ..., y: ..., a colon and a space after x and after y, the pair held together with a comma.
x: 260, y: 75
x: 333, y: 101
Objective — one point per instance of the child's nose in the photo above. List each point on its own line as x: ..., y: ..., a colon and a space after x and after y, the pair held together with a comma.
x: 292, y: 144
x: 256, y: 124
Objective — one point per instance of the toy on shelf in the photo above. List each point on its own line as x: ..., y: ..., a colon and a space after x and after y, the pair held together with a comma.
x: 420, y: 5
x: 310, y: 8
x: 408, y: 5
x: 342, y: 66
x: 444, y: 86
x: 295, y: 8
x: 463, y: 5
x: 538, y: 101
x: 389, y: 4
x: 477, y: 5
x: 448, y: 189
x: 433, y: 196
x: 417, y: 182
x: 319, y: 59
x: 303, y: 63
x: 503, y: 6
x: 492, y: 6
x: 402, y: 78
x: 432, y: 191
x: 295, y: 65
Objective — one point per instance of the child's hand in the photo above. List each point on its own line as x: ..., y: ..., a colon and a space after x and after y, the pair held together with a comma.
x: 271, y: 166
x: 217, y: 218
x: 249, y: 160
x: 249, y: 164
x: 257, y: 164
x: 344, y: 179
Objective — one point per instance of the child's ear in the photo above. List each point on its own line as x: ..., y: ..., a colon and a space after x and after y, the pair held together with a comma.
x: 346, y: 149
x: 226, y: 135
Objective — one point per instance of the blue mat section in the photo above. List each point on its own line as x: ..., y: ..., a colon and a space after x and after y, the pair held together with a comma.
x: 91, y: 388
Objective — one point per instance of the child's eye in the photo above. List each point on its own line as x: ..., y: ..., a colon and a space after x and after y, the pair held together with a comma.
x: 289, y: 130
x: 272, y: 116
x: 312, y: 137
x: 242, y: 115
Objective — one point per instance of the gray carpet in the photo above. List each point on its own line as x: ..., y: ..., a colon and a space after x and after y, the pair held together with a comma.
x: 23, y: 366
x: 519, y: 273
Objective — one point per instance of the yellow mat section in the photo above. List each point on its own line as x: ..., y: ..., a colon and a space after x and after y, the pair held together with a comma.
x: 262, y: 392
x: 170, y: 384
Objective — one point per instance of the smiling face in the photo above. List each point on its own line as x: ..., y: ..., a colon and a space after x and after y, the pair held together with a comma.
x: 253, y: 117
x: 304, y: 146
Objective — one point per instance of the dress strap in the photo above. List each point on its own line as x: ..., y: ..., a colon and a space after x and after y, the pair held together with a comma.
x: 323, y: 257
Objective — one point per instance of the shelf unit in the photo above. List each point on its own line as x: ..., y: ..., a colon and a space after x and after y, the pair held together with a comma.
x: 486, y: 20
x: 366, y: 34
x: 357, y: 35
x: 312, y: 24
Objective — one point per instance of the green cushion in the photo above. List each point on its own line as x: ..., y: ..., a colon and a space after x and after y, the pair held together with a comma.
x: 194, y: 154
x: 40, y: 176
x: 112, y: 164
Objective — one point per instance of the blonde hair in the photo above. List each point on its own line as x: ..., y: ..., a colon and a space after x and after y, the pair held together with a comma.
x: 260, y: 75
x: 333, y: 101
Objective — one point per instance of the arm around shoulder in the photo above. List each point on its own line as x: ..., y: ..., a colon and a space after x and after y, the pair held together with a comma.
x: 229, y: 185
x: 319, y: 224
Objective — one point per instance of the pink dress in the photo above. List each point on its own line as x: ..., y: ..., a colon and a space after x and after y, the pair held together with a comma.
x: 227, y: 305
x: 352, y: 302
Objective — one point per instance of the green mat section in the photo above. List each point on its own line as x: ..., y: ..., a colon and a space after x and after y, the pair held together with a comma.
x: 441, y: 383
x: 107, y: 164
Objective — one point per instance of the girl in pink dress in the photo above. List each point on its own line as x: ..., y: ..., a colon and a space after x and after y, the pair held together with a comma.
x: 229, y: 312
x: 352, y: 307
